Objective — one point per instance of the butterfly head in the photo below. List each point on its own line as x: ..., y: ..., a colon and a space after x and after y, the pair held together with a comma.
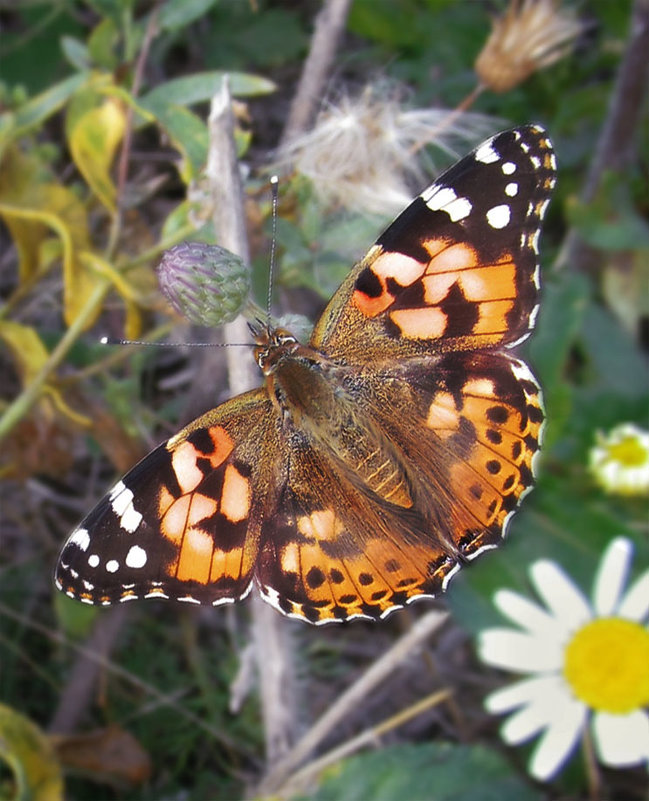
x: 271, y: 346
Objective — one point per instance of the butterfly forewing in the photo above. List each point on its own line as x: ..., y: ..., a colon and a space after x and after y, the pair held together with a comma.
x: 458, y: 269
x: 184, y: 522
x: 379, y: 458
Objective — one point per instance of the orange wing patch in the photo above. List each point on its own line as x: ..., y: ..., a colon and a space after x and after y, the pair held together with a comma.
x: 367, y: 581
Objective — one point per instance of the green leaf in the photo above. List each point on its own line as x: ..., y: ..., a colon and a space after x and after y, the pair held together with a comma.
x: 75, y: 52
x: 241, y: 36
x: 35, y: 111
x: 176, y: 14
x: 200, y: 88
x: 610, y: 221
x: 616, y: 364
x: 101, y: 44
x: 77, y: 620
x: 432, y: 771
x: 189, y: 134
x: 565, y: 296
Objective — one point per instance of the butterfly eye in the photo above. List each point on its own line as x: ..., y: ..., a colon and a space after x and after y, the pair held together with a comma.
x: 286, y: 339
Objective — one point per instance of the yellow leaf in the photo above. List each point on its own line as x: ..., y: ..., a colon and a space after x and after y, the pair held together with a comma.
x: 133, y: 319
x: 31, y: 758
x: 93, y: 142
x: 26, y: 187
x: 25, y: 344
x: 78, y: 284
x: 30, y: 356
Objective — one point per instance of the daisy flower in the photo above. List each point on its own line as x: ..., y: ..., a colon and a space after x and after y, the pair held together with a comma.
x: 587, y: 664
x: 619, y: 460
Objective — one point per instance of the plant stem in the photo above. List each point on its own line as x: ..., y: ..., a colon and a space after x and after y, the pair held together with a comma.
x: 31, y: 393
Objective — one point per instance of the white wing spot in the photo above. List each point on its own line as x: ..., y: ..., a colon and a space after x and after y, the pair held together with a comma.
x: 443, y: 198
x: 509, y: 167
x: 188, y: 599
x: 486, y: 154
x: 499, y: 216
x: 437, y: 196
x: 93, y: 560
x: 80, y: 538
x: 458, y: 209
x: 511, y: 190
x: 533, y: 315
x: 544, y: 206
x: 121, y: 501
x: 536, y: 161
x: 136, y: 557
x: 112, y: 566
x: 534, y: 241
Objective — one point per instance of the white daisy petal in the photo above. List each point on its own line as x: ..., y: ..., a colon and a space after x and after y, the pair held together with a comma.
x: 611, y: 576
x: 543, y: 689
x: 635, y: 604
x: 515, y: 650
x: 561, y: 595
x: 525, y: 613
x: 559, y: 740
x: 622, y: 739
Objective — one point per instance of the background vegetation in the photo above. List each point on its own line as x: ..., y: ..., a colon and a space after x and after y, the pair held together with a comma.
x: 103, y: 141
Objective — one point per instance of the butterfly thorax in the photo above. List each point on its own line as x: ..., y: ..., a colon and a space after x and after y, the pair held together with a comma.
x: 318, y: 399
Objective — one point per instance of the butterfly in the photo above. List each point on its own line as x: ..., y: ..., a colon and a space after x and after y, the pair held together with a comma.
x: 377, y: 459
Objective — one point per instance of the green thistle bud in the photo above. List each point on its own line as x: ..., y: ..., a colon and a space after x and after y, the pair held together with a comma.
x: 207, y: 284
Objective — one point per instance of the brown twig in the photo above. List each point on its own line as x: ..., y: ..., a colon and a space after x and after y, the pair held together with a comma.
x: 125, y: 150
x: 80, y: 689
x: 615, y: 149
x: 299, y: 781
x: 273, y: 647
x: 381, y: 669
x: 329, y: 26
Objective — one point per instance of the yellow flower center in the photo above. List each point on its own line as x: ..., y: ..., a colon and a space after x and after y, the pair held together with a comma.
x: 629, y: 452
x: 607, y: 665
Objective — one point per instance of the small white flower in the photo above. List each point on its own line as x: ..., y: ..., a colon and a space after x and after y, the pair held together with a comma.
x: 619, y: 460
x: 587, y: 664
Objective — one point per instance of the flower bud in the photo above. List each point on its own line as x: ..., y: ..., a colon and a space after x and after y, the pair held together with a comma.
x: 207, y: 284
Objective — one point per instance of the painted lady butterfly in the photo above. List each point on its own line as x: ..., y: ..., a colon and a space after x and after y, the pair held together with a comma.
x: 378, y: 458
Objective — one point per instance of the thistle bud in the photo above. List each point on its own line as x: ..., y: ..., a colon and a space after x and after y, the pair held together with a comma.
x: 207, y: 284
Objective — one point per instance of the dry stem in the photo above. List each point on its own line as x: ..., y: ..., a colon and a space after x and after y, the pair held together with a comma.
x: 349, y: 701
x: 273, y: 647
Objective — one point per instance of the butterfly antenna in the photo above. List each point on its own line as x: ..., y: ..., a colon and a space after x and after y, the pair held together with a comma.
x: 274, y: 186
x: 118, y: 341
